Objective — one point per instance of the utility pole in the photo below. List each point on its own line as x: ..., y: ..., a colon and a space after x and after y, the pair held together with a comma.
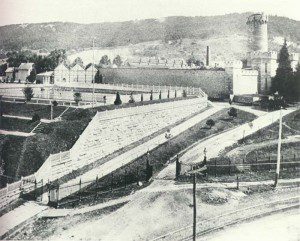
x: 93, y: 77
x: 278, y: 149
x: 194, y: 207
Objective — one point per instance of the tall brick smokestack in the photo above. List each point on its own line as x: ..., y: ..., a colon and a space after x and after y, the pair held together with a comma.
x: 207, y: 55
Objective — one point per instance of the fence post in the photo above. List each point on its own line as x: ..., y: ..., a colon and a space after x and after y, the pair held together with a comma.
x: 96, y: 186
x: 79, y: 191
x: 57, y: 196
x: 35, y: 189
x: 125, y: 175
x: 215, y: 168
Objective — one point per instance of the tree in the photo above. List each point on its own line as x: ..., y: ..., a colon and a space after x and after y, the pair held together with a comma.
x: 117, y: 61
x: 232, y: 112
x: 151, y: 95
x: 32, y: 76
x: 104, y: 61
x: 28, y: 93
x: 283, y: 80
x: 131, y: 99
x: 210, y: 123
x: 78, y: 60
x: 98, y: 77
x: 118, y: 100
x: 77, y: 97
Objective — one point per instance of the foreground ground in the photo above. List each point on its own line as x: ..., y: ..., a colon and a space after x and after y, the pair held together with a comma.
x: 277, y: 227
x: 157, y: 210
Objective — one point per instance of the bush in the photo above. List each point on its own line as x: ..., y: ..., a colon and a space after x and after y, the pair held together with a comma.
x: 131, y: 99
x: 151, y: 95
x: 159, y: 97
x: 28, y: 93
x: 54, y: 103
x: 142, y: 97
x: 232, y: 112
x: 210, y: 123
x: 35, y: 118
x: 118, y: 100
x: 77, y: 97
x: 184, y: 95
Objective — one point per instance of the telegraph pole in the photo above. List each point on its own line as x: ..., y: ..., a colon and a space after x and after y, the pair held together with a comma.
x: 93, y: 78
x: 194, y: 207
x: 278, y: 149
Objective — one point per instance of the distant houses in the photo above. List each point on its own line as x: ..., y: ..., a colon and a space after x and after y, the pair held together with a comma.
x: 74, y: 74
x: 24, y: 71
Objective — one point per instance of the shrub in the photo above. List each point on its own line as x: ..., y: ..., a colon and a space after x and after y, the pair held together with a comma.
x: 210, y: 123
x: 77, y: 97
x: 151, y: 95
x: 118, y: 100
x: 54, y: 103
x: 159, y: 97
x: 184, y: 95
x: 28, y: 93
x: 35, y: 118
x: 175, y: 96
x: 168, y: 96
x: 232, y: 112
x: 142, y: 97
x: 131, y: 99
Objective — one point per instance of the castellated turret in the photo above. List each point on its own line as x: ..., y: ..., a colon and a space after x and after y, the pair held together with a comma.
x: 258, y: 32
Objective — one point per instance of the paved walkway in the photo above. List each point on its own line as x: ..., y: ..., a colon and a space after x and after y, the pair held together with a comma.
x: 219, y: 142
x: 16, y: 133
x: 18, y: 216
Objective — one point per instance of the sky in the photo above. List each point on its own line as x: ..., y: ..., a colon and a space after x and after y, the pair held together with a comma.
x: 95, y: 11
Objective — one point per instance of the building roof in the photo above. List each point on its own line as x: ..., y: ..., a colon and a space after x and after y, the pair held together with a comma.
x: 48, y: 73
x: 9, y: 70
x: 26, y: 65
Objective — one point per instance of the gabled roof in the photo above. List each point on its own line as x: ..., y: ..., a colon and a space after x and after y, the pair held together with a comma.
x: 9, y: 70
x: 26, y: 66
x: 62, y: 65
x: 48, y: 73
x: 77, y: 67
x: 89, y: 66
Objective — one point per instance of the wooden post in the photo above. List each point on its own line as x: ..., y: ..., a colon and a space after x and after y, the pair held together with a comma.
x: 125, y: 181
x: 79, y: 192
x: 215, y: 168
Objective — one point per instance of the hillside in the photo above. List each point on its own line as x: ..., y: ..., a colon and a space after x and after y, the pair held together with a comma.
x: 223, y: 33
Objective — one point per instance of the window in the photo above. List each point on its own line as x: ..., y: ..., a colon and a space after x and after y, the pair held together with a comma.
x: 266, y: 67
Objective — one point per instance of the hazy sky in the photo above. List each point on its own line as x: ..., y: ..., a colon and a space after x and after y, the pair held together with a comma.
x: 93, y: 11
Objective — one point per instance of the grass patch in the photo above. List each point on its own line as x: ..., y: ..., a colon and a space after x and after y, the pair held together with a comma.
x: 28, y: 110
x: 15, y: 124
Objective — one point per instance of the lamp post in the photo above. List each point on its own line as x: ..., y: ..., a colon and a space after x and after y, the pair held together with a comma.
x: 93, y: 77
x: 278, y: 149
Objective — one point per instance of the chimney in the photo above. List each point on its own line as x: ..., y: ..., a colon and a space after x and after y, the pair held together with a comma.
x: 207, y: 55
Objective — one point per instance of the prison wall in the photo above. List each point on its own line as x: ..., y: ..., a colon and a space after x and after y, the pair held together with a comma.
x: 215, y: 83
